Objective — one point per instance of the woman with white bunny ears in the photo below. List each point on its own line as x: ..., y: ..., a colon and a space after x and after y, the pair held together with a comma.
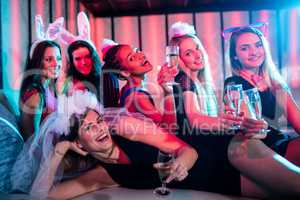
x: 244, y: 166
x: 63, y: 160
x: 38, y: 89
x: 84, y: 64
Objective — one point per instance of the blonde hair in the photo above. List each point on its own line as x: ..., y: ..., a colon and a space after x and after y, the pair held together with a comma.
x: 205, y: 75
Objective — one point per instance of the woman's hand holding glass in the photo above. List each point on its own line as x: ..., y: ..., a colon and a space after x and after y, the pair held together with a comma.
x: 228, y: 120
x: 234, y: 97
x: 254, y: 112
x: 172, y: 61
x: 253, y: 127
x: 169, y: 169
x: 167, y: 75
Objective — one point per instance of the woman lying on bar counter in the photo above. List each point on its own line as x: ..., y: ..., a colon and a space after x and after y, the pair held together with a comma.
x: 63, y: 162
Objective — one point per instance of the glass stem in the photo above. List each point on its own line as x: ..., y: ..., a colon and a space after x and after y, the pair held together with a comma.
x: 164, y: 185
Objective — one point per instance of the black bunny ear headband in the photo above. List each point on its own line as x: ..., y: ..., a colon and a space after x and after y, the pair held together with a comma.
x: 260, y: 26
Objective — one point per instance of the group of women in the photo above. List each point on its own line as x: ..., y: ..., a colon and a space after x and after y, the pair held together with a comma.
x: 90, y: 134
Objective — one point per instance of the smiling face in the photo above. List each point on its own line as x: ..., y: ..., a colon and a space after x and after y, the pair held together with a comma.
x: 190, y: 53
x: 82, y: 60
x: 94, y: 134
x: 249, y: 51
x: 133, y: 61
x: 51, y: 62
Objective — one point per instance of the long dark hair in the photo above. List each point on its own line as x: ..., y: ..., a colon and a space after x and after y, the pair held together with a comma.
x: 109, y: 77
x: 94, y: 76
x: 73, y: 160
x: 32, y: 73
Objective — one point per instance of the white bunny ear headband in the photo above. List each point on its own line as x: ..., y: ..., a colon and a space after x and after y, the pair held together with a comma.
x: 84, y: 32
x: 77, y: 104
x: 52, y: 32
x: 181, y: 28
x: 106, y: 45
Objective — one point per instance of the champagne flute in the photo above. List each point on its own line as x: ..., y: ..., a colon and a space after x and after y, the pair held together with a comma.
x: 235, y: 97
x: 253, y: 102
x: 172, y: 58
x: 163, y: 166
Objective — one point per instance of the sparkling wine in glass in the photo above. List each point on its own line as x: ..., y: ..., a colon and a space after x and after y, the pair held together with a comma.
x: 253, y: 102
x: 163, y: 166
x: 235, y: 97
x: 172, y: 58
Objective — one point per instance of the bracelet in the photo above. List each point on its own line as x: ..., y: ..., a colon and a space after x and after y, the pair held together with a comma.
x: 59, y: 153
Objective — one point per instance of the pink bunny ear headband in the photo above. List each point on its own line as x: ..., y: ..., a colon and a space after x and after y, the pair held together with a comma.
x: 83, y: 31
x: 261, y: 27
x: 52, y: 32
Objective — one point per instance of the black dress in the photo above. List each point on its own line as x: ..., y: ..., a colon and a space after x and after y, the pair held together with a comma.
x: 208, y: 173
x: 275, y: 139
x: 213, y: 168
x: 211, y: 172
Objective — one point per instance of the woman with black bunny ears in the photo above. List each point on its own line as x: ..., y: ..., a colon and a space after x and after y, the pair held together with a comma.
x: 252, y: 66
x: 249, y: 165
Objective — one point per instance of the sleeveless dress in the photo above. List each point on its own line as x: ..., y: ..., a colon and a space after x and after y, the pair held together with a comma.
x: 49, y: 102
x: 213, y: 164
x: 126, y: 93
x: 275, y: 139
x: 211, y: 172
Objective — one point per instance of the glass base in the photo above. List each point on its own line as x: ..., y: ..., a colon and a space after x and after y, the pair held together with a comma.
x: 236, y: 127
x: 162, y: 191
x: 171, y: 83
x: 262, y: 134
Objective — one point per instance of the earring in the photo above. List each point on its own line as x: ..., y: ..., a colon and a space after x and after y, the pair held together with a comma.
x: 235, y: 58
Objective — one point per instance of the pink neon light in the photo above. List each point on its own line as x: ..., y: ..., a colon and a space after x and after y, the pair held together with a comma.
x: 72, y: 17
x: 39, y: 6
x: 236, y: 19
x: 58, y: 9
x: 17, y: 53
x: 265, y: 17
x: 81, y: 7
x: 293, y: 46
x: 156, y: 39
x: 209, y: 41
x: 126, y: 24
x: 183, y: 18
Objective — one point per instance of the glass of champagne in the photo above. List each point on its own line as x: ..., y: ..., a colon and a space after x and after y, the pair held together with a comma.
x: 172, y: 58
x: 234, y: 94
x: 163, y: 166
x: 253, y: 103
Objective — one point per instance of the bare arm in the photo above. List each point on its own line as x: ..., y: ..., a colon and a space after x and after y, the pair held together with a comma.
x: 47, y: 170
x: 148, y: 133
x: 202, y: 121
x: 31, y: 113
x: 142, y: 104
x: 43, y: 183
x: 291, y: 109
x: 169, y: 117
x: 90, y: 181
